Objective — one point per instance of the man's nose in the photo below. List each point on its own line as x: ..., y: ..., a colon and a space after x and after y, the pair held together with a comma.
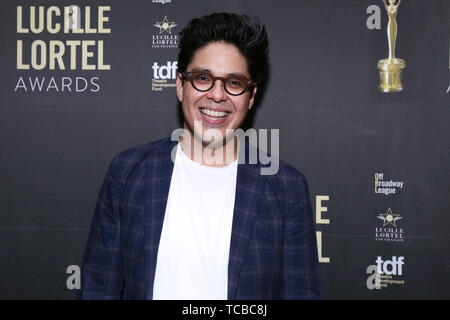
x: 217, y: 92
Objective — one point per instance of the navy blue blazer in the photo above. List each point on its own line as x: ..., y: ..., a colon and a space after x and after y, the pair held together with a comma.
x: 273, y: 250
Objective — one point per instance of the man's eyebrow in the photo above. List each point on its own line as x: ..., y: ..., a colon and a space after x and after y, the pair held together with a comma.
x: 200, y: 70
x: 237, y: 74
x: 228, y: 75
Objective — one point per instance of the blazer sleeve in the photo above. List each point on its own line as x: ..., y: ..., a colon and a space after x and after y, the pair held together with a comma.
x: 300, y: 267
x: 102, y: 274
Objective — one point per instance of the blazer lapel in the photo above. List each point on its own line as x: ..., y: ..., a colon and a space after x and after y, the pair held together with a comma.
x: 159, y: 174
x: 249, y: 187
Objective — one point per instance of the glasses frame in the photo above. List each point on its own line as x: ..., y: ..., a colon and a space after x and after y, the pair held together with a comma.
x: 189, y: 76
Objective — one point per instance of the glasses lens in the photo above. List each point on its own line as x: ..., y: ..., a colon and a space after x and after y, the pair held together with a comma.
x: 202, y: 81
x: 235, y: 85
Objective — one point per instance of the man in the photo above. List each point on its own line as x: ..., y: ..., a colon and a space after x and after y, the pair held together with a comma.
x: 179, y: 225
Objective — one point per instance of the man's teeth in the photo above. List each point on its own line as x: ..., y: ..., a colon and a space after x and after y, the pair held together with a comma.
x: 213, y: 113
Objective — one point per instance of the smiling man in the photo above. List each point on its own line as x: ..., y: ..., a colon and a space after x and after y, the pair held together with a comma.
x: 216, y: 99
x: 174, y: 225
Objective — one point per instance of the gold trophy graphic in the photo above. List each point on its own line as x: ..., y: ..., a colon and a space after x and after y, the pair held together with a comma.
x: 391, y: 68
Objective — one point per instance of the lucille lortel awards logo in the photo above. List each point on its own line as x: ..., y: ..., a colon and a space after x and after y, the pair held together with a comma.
x: 49, y: 65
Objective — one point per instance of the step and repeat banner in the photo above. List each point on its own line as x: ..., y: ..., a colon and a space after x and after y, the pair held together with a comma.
x: 368, y: 126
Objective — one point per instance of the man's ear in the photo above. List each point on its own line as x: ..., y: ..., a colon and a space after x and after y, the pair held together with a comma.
x: 252, y: 97
x: 179, y: 87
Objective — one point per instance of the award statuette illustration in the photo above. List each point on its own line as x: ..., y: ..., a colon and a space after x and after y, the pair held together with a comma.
x: 391, y: 68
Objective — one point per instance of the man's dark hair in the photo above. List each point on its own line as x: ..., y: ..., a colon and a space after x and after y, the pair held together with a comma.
x: 247, y: 33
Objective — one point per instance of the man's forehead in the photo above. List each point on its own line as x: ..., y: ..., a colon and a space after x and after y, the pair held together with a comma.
x: 219, y: 58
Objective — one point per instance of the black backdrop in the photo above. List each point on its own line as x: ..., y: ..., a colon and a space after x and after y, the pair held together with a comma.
x: 57, y: 141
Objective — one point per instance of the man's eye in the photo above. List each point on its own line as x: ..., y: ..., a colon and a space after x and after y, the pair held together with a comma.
x: 203, y: 78
x: 235, y: 83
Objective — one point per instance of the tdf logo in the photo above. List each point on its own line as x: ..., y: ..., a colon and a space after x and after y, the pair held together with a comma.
x: 165, y: 72
x: 381, y: 273
x: 390, y: 267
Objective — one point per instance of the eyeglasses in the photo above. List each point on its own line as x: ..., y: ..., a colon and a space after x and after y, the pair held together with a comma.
x: 203, y: 81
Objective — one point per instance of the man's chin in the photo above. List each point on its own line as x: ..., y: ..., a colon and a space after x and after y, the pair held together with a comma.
x: 215, y: 137
x: 210, y: 136
x: 213, y: 144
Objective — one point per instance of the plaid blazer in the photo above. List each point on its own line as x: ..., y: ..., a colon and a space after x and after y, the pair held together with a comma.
x: 273, y: 251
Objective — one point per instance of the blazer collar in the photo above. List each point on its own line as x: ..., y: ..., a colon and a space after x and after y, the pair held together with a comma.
x: 249, y: 188
x: 158, y: 176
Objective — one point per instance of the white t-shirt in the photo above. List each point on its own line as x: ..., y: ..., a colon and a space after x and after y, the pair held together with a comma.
x: 193, y: 252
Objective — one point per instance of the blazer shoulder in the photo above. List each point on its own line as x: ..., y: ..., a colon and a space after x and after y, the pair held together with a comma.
x: 293, y: 182
x: 289, y: 172
x: 127, y: 160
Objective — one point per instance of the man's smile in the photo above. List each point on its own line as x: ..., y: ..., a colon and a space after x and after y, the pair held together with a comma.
x: 214, y: 116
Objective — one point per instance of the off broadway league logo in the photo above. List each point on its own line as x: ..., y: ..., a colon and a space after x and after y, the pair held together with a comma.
x: 386, y: 187
x: 389, y: 231
x: 162, y: 1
